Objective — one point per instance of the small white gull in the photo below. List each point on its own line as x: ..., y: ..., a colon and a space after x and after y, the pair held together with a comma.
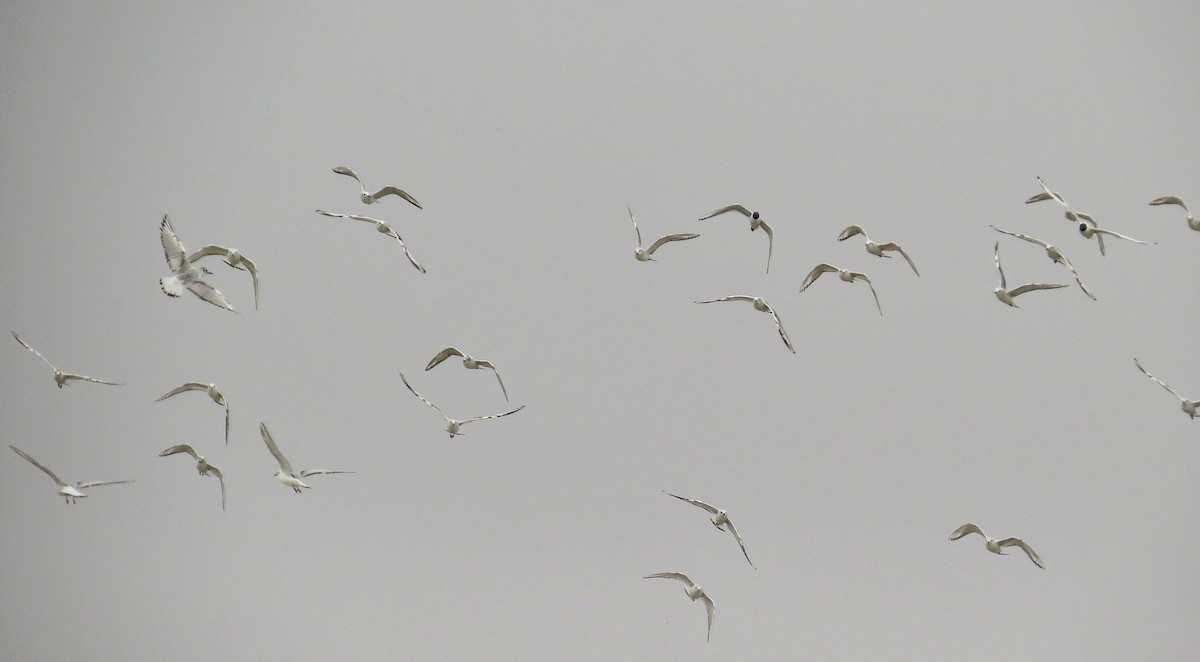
x: 1192, y: 221
x: 643, y: 254
x: 877, y: 249
x: 760, y: 305
x: 286, y: 475
x: 454, y: 426
x: 694, y: 591
x: 186, y: 274
x: 1053, y: 253
x: 1006, y: 295
x: 372, y: 198
x: 211, y: 391
x: 997, y: 546
x: 202, y: 465
x: 61, y: 378
x: 469, y: 362
x: 756, y: 222
x: 1189, y: 407
x: 844, y: 274
x: 1089, y: 229
x: 69, y: 492
x: 233, y: 258
x: 719, y: 519
x: 382, y: 228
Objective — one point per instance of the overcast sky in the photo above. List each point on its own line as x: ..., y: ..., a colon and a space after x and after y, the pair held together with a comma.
x: 525, y: 130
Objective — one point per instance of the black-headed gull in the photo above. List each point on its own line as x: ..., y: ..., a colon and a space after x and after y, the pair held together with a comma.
x: 69, y: 492
x: 1006, y: 295
x: 202, y: 465
x: 844, y: 274
x: 211, y: 391
x: 372, y: 198
x: 1189, y: 407
x: 643, y: 254
x: 469, y: 362
x: 286, y: 475
x: 877, y: 249
x: 186, y: 274
x: 1068, y: 211
x: 756, y: 222
x: 233, y: 258
x: 1053, y: 253
x: 719, y: 519
x: 694, y: 591
x: 1192, y: 221
x: 997, y: 546
x: 760, y: 305
x: 382, y: 228
x: 1089, y: 229
x: 61, y: 378
x: 454, y: 426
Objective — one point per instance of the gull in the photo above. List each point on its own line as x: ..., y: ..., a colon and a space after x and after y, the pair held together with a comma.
x: 877, y: 249
x: 61, y: 378
x: 454, y: 426
x: 69, y: 492
x: 643, y: 254
x: 1069, y: 212
x: 382, y: 228
x: 1006, y: 295
x: 1090, y: 229
x: 694, y: 591
x: 844, y: 274
x: 468, y: 362
x: 1189, y: 407
x: 186, y: 275
x: 997, y: 546
x: 285, y: 473
x: 761, y: 306
x: 211, y: 391
x: 719, y: 518
x: 1051, y: 252
x: 372, y: 198
x: 202, y: 465
x: 233, y: 258
x: 1192, y: 221
x: 756, y: 222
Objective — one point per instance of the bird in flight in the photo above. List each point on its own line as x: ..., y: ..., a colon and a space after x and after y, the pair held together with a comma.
x: 1090, y: 229
x: 1053, y: 253
x: 1006, y: 295
x: 202, y: 465
x: 286, y: 475
x: 756, y: 222
x: 1192, y: 221
x: 876, y: 249
x: 372, y: 198
x: 1189, y: 407
x: 233, y: 258
x: 469, y: 362
x: 997, y: 546
x: 694, y: 591
x: 69, y: 492
x: 61, y: 378
x: 643, y: 254
x: 382, y: 228
x: 760, y: 305
x: 186, y: 274
x: 844, y: 274
x: 208, y: 389
x: 719, y: 519
x: 454, y: 426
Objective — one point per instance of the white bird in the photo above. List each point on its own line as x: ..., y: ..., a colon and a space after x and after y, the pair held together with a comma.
x: 382, y: 228
x: 61, y: 378
x: 469, y: 362
x: 69, y: 492
x: 643, y: 254
x: 877, y: 249
x: 1006, y: 295
x: 694, y: 591
x: 1068, y: 211
x: 761, y: 306
x: 1089, y: 229
x: 286, y: 475
x: 844, y: 274
x: 719, y: 519
x: 1189, y: 407
x: 1053, y: 253
x: 186, y: 275
x: 997, y: 546
x: 202, y: 465
x: 233, y: 258
x: 1192, y: 221
x: 211, y: 391
x: 372, y: 198
x: 756, y: 222
x: 454, y: 426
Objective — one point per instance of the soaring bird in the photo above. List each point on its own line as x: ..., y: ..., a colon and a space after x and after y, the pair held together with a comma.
x: 382, y: 228
x: 694, y: 591
x: 233, y: 258
x: 844, y: 274
x: 469, y: 362
x: 1189, y: 407
x: 1006, y: 295
x: 69, y: 492
x: 454, y: 426
x: 875, y: 248
x: 1192, y: 221
x: 211, y: 391
x: 719, y: 519
x: 756, y: 222
x: 286, y: 475
x: 1089, y: 230
x: 761, y: 306
x: 643, y: 254
x: 61, y: 378
x: 372, y: 198
x: 186, y: 274
x: 1053, y: 253
x: 997, y: 546
x: 202, y: 465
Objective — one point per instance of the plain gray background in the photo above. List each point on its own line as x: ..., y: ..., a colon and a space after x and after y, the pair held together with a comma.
x: 525, y: 129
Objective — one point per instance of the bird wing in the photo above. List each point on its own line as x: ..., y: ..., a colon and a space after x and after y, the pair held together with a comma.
x: 1067, y: 264
x: 783, y: 334
x: 770, y: 241
x: 850, y: 232
x: 671, y: 237
x: 226, y: 422
x: 283, y: 461
x: 1044, y: 195
x: 1170, y: 200
x: 84, y: 484
x: 343, y: 170
x: 738, y: 538
x: 176, y: 256
x: 250, y: 266
x: 480, y: 418
x: 210, y: 294
x: 815, y: 274
x: 190, y: 386
x: 37, y: 464
x: 211, y: 249
x: 442, y: 356
x: 1018, y: 235
x: 220, y: 477
x: 1029, y: 287
x: 635, y: 225
x: 1121, y: 236
x: 892, y: 246
x: 733, y: 297
x: 422, y: 398
x: 1016, y: 542
x: 712, y: 610
x: 858, y: 276
x: 488, y: 364
x: 180, y: 448
x: 966, y: 529
x: 671, y: 575
x: 1003, y: 282
x: 1157, y: 380
x: 353, y: 217
x: 408, y: 254
x: 721, y: 210
x: 39, y: 355
x: 392, y: 190
x: 316, y: 472
x: 67, y: 375
x: 695, y: 502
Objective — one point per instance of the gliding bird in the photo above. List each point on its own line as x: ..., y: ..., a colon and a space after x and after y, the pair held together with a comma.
x: 1089, y: 230
x: 1006, y: 295
x: 1189, y: 407
x: 756, y: 222
x: 469, y: 362
x: 877, y: 249
x: 997, y: 546
x: 233, y: 258
x: 382, y: 228
x: 285, y: 474
x: 719, y: 519
x: 1051, y: 252
x: 643, y: 254
x: 844, y: 274
x: 694, y: 591
x: 761, y: 306
x: 372, y: 198
x: 202, y: 465
x: 454, y: 426
x: 186, y: 275
x: 213, y: 394
x: 69, y: 492
x: 61, y: 377
x: 1192, y: 221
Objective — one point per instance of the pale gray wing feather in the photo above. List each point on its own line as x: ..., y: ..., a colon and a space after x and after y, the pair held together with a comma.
x: 733, y: 297
x: 1018, y: 235
x: 966, y: 529
x: 1016, y: 542
x: 67, y: 375
x: 738, y: 538
x: 180, y: 448
x: 668, y: 238
x: 712, y: 610
x: 39, y: 355
x: 850, y: 232
x: 392, y: 190
x: 635, y: 225
x: 99, y: 483
x: 1158, y: 381
x: 892, y: 246
x: 488, y: 364
x: 422, y: 398
x: 1170, y: 200
x: 211, y: 249
x: 317, y: 472
x: 39, y: 465
x: 221, y: 478
x: 816, y: 273
x: 1003, y: 282
x: 481, y: 418
x: 442, y: 356
x: 210, y: 294
x: 172, y: 249
x: 1029, y: 287
x: 1121, y: 236
x: 782, y: 333
x: 695, y: 502
x: 343, y: 170
x: 721, y: 210
x: 671, y: 575
x: 283, y: 461
x: 189, y: 386
x: 770, y: 241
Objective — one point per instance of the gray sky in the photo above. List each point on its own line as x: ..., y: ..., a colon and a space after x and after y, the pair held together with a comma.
x: 525, y: 131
